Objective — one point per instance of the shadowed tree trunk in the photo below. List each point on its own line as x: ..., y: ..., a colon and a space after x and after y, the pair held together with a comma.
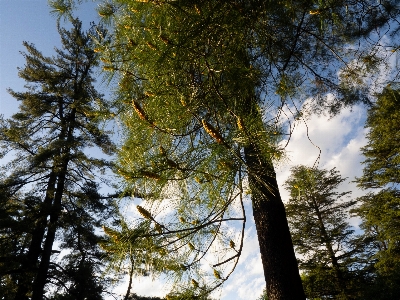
x: 276, y: 247
x: 41, y: 278
x: 340, y: 283
x: 35, y: 248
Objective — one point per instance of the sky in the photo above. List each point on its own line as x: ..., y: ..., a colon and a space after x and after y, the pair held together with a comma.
x: 339, y: 138
x: 27, y: 20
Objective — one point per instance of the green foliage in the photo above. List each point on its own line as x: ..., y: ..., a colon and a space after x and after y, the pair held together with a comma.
x: 380, y: 221
x: 329, y: 253
x: 130, y: 245
x: 81, y: 269
x: 137, y: 297
x: 379, y: 211
x: 187, y: 295
x: 15, y: 218
x: 49, y: 189
x: 202, y: 86
x: 380, y: 215
x: 382, y: 163
x: 264, y: 295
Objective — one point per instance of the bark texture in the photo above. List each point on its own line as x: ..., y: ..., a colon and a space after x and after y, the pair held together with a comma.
x: 277, y: 254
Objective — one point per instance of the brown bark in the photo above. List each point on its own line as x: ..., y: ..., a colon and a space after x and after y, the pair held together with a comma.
x: 277, y: 254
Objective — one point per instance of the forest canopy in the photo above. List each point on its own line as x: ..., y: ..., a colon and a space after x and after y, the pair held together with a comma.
x: 207, y: 91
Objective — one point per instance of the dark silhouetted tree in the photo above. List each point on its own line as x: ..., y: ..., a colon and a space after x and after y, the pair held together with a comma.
x: 329, y: 253
x: 379, y: 211
x: 49, y: 187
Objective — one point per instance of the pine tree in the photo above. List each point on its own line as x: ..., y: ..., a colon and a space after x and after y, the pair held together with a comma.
x: 137, y: 297
x: 50, y: 179
x: 328, y: 251
x: 379, y: 211
x: 201, y: 87
x: 15, y: 218
x: 382, y: 153
x: 81, y: 270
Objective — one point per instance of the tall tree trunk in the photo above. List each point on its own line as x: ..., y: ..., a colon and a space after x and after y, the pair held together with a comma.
x: 340, y: 283
x: 29, y: 265
x: 81, y: 291
x: 41, y: 277
x: 277, y: 254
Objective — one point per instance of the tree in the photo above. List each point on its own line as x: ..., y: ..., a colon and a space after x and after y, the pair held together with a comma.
x: 326, y: 245
x: 137, y: 297
x: 263, y: 296
x: 201, y: 88
x: 80, y: 271
x: 379, y: 211
x: 124, y: 250
x: 50, y: 179
x: 382, y: 163
x: 14, y: 219
x: 379, y: 214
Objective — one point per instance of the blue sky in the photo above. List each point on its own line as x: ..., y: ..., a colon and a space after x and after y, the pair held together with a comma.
x: 19, y: 21
x: 339, y: 138
x: 26, y: 20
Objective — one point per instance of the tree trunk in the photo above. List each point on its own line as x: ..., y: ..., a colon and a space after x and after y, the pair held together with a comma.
x: 340, y: 283
x: 41, y: 277
x: 30, y: 264
x: 277, y: 254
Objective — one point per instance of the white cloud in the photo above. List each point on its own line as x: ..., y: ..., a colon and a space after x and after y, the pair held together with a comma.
x: 144, y: 286
x: 247, y: 282
x: 340, y: 140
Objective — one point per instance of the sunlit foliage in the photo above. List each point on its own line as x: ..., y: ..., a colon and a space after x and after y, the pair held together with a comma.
x: 203, y: 88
